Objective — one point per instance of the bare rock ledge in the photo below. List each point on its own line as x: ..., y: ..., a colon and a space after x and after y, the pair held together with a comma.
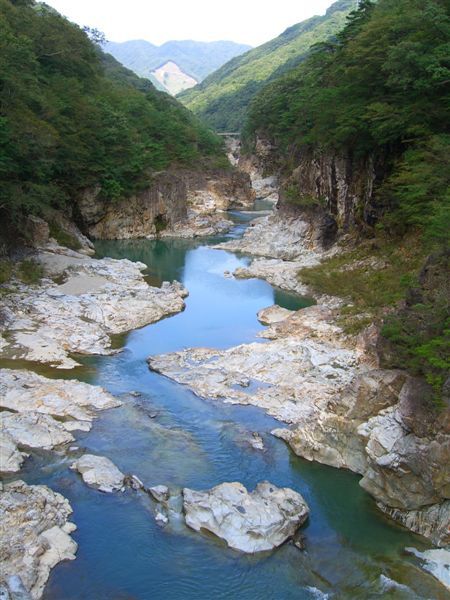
x: 34, y: 536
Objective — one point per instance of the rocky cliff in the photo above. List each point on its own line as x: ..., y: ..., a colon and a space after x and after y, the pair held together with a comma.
x: 163, y: 204
x: 336, y: 190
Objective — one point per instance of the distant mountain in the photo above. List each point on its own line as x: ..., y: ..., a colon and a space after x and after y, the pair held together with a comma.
x: 222, y: 98
x: 195, y: 60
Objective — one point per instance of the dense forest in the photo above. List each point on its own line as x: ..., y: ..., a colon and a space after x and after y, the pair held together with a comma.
x: 72, y: 117
x: 381, y: 88
x: 222, y: 99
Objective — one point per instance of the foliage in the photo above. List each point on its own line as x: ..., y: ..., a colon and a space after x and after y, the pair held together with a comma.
x: 380, y: 88
x: 30, y: 271
x: 64, y: 238
x: 160, y: 223
x: 6, y: 270
x: 222, y: 99
x: 292, y: 194
x: 71, y: 118
x: 419, y: 334
x: 371, y: 278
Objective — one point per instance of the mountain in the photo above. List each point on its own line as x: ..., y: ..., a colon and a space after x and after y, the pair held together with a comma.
x: 73, y: 118
x: 223, y: 97
x: 193, y: 60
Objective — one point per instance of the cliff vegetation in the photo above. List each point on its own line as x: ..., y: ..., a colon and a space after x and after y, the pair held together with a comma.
x: 72, y: 117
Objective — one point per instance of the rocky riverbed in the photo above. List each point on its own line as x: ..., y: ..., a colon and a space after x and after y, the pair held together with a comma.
x: 332, y: 401
x: 34, y: 537
x: 75, y: 309
x: 342, y: 410
x: 80, y: 304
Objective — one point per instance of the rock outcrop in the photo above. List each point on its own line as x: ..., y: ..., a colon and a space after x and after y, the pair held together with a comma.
x: 99, y: 473
x: 338, y: 188
x: 282, y: 245
x: 341, y: 411
x: 98, y: 298
x: 34, y: 536
x: 436, y: 562
x: 37, y: 412
x: 175, y: 202
x: 250, y: 522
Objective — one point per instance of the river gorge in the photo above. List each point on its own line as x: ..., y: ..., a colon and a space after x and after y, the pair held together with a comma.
x: 165, y: 434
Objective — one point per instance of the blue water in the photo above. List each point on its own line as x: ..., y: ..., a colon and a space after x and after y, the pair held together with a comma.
x: 123, y: 553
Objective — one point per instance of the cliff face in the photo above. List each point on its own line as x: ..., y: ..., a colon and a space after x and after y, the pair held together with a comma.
x: 163, y: 204
x: 339, y: 188
x: 341, y: 184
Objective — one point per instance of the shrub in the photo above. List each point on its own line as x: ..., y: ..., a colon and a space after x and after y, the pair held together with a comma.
x: 30, y: 271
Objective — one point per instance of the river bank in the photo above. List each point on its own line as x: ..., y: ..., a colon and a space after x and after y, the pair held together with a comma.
x: 163, y: 434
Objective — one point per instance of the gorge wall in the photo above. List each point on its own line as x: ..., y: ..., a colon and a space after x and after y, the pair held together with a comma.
x: 163, y: 204
x: 335, y: 190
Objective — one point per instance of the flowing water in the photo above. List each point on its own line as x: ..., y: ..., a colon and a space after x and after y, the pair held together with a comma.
x: 351, y: 550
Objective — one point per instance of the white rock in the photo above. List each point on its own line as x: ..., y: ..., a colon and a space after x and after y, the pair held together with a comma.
x: 161, y: 519
x: 249, y: 522
x: 34, y: 430
x: 100, y: 298
x: 67, y: 400
x: 160, y: 493
x: 11, y: 458
x: 34, y: 535
x: 436, y: 562
x: 274, y: 236
x: 273, y: 314
x: 41, y: 413
x: 99, y: 472
x: 256, y: 441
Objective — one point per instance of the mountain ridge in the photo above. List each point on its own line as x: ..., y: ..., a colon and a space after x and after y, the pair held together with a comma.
x: 196, y: 59
x: 223, y: 97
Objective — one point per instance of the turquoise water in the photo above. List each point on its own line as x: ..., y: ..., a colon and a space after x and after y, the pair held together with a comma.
x: 123, y: 553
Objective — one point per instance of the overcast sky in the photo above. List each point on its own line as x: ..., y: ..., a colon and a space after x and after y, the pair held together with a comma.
x: 246, y: 21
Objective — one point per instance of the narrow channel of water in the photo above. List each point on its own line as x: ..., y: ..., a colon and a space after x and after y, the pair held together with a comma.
x: 351, y: 550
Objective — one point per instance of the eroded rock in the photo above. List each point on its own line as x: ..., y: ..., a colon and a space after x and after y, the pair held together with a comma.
x: 35, y: 534
x: 48, y: 322
x: 99, y: 473
x: 41, y: 413
x: 340, y: 410
x: 436, y: 562
x: 250, y: 522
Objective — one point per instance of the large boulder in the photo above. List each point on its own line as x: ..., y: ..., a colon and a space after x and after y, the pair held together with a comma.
x: 99, y: 472
x: 34, y: 536
x: 250, y: 522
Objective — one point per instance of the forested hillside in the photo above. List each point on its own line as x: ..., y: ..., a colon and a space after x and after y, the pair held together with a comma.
x: 72, y: 117
x: 377, y: 95
x: 381, y: 87
x: 221, y: 100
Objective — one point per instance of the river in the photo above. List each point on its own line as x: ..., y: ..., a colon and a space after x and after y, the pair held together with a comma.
x: 166, y: 435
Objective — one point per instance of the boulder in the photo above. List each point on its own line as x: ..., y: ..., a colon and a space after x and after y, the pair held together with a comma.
x: 99, y: 473
x: 160, y: 493
x: 34, y: 537
x: 11, y: 458
x: 273, y: 314
x: 250, y: 522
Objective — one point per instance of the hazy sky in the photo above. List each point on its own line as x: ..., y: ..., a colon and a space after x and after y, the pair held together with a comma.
x: 246, y: 21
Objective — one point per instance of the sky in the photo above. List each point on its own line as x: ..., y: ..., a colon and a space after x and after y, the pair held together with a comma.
x: 245, y: 21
